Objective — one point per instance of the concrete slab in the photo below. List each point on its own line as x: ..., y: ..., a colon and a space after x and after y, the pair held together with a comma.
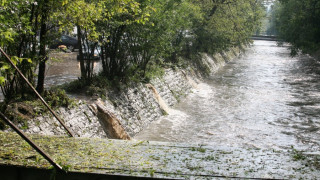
x: 158, y: 159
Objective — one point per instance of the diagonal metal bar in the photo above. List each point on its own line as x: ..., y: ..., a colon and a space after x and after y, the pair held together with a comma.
x: 36, y: 92
x: 31, y: 143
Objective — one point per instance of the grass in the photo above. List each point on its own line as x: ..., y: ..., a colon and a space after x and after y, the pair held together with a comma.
x: 297, y: 155
x: 20, y: 111
x: 200, y: 149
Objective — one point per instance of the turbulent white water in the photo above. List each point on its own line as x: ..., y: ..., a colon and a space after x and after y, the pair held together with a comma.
x: 266, y: 99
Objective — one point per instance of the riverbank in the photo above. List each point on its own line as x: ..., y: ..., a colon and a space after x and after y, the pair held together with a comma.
x: 126, y: 111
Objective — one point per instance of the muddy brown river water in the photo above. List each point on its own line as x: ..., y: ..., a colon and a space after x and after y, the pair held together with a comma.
x: 265, y: 99
x: 63, y: 68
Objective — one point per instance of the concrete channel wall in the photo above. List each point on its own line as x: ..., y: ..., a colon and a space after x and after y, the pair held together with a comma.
x: 125, y: 113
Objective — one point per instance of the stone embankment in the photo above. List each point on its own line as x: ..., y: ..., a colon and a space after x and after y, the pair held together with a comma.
x: 125, y: 113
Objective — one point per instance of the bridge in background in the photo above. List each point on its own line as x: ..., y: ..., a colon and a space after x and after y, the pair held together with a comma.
x: 265, y: 38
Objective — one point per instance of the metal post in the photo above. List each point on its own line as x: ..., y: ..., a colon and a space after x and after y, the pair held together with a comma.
x: 36, y: 92
x: 31, y: 143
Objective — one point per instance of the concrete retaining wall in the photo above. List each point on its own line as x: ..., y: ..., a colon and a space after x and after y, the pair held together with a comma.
x: 133, y: 107
x: 82, y: 121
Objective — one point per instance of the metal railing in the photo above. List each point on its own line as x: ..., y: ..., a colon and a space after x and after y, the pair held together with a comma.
x: 23, y: 135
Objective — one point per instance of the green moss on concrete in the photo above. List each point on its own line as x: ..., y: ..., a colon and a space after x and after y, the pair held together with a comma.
x: 143, y: 158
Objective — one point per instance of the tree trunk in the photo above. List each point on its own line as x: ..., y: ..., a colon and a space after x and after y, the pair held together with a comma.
x: 43, y: 43
x: 82, y: 67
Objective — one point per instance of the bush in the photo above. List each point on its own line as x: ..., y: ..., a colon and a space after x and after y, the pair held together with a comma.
x: 21, y: 110
x: 56, y: 97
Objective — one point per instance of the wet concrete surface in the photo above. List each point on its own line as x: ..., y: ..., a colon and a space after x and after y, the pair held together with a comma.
x: 159, y: 159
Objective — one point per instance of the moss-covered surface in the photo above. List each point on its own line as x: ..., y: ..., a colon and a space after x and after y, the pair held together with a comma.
x: 154, y: 158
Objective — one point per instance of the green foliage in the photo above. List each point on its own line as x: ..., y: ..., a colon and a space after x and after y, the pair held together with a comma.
x: 12, y: 84
x: 136, y: 37
x: 74, y: 86
x: 200, y: 149
x: 97, y: 87
x: 226, y: 23
x: 297, y: 155
x: 119, y: 38
x: 297, y: 22
x: 21, y: 110
x: 58, y: 98
x: 135, y: 46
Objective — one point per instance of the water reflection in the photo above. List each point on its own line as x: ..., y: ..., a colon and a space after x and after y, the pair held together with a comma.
x: 266, y: 99
x: 62, y: 68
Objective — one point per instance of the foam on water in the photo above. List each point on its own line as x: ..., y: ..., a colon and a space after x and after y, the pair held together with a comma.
x: 265, y: 99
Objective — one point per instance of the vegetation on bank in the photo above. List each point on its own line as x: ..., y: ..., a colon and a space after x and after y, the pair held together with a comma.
x: 297, y: 22
x: 136, y: 37
x: 20, y: 111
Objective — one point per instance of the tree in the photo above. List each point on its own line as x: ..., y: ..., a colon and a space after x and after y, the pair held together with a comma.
x: 118, y: 17
x: 52, y: 17
x: 15, y: 36
x: 141, y: 33
x: 226, y: 23
x: 298, y: 23
x: 27, y: 28
x: 135, y: 36
x: 84, y: 15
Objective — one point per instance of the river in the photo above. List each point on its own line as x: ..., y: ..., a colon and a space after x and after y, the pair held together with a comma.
x: 63, y: 68
x: 264, y: 99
